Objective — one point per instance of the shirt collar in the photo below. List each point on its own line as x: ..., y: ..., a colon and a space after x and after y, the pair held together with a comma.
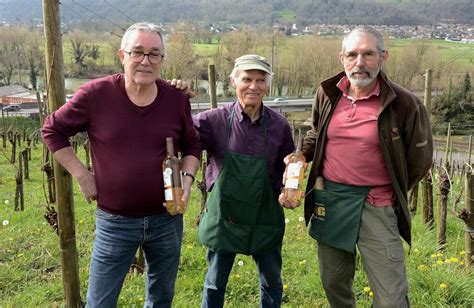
x: 241, y: 115
x: 344, y: 84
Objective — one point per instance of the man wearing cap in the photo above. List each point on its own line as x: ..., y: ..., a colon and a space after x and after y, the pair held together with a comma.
x: 245, y: 143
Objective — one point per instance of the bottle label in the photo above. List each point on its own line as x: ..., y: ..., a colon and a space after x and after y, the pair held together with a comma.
x: 167, y: 181
x: 293, y: 174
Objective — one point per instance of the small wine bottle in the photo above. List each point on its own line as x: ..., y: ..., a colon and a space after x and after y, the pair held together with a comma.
x: 172, y: 181
x: 295, y: 174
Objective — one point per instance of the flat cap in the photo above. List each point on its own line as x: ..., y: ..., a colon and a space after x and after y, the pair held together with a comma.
x: 253, y: 62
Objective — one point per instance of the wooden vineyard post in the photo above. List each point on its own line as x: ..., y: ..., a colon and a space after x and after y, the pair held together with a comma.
x: 444, y: 188
x: 413, y: 200
x: 427, y: 182
x: 212, y: 85
x: 427, y: 186
x: 86, y: 147
x: 26, y: 169
x: 13, y: 157
x: 63, y: 180
x: 19, y: 200
x: 469, y: 219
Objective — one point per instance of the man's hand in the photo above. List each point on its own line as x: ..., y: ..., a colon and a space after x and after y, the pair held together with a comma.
x: 183, y: 86
x: 87, y: 185
x: 281, y: 198
x: 287, y: 203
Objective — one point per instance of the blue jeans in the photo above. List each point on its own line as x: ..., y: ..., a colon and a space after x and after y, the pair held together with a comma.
x: 117, y: 239
x: 219, y: 267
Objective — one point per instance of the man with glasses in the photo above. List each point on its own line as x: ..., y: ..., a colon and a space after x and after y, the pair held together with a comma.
x: 370, y: 143
x: 128, y: 117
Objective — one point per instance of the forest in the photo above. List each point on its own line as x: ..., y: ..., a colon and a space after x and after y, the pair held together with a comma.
x: 390, y: 12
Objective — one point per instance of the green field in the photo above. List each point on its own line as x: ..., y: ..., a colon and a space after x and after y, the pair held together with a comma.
x: 453, y: 52
x: 30, y: 271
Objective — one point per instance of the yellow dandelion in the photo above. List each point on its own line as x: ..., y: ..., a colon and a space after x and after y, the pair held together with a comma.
x: 439, y: 262
x: 454, y: 260
x: 443, y: 285
x: 141, y: 299
x: 285, y: 286
x: 433, y: 256
x: 371, y: 294
x: 461, y: 262
x: 416, y: 250
x: 439, y: 254
x: 447, y: 261
x: 237, y: 276
x: 421, y: 267
x: 189, y: 246
x: 302, y: 262
x: 366, y: 289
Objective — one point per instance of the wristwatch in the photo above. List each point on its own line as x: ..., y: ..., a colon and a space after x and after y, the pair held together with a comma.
x: 184, y: 173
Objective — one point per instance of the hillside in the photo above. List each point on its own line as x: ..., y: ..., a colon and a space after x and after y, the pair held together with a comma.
x: 390, y: 12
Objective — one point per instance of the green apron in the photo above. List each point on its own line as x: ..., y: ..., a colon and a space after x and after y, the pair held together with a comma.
x: 242, y: 214
x: 337, y: 213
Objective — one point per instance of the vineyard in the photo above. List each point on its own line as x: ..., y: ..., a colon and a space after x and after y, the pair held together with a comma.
x: 30, y: 266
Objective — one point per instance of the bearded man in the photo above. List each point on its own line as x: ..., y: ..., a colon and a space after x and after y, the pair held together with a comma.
x: 370, y: 143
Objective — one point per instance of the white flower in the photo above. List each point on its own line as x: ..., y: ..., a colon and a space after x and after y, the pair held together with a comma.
x: 300, y: 219
x: 7, y: 201
x: 287, y: 220
x: 5, y: 222
x: 240, y: 263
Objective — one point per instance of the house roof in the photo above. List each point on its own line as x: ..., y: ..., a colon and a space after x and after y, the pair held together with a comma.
x: 12, y: 90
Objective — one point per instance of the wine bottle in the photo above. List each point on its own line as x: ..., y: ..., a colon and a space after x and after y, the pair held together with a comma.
x: 295, y: 174
x: 172, y: 181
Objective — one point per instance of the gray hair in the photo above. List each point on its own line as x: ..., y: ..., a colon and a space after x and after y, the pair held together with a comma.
x: 236, y: 71
x: 369, y: 31
x: 142, y: 27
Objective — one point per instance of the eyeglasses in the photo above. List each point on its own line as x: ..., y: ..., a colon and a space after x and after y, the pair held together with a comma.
x: 138, y: 56
x: 369, y: 55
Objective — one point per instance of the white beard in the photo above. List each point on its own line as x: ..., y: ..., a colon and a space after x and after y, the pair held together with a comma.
x: 362, y: 82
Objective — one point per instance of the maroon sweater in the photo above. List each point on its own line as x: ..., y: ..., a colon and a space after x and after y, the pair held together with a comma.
x: 127, y: 142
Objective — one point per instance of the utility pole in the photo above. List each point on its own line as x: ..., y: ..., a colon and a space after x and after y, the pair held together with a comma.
x: 63, y: 180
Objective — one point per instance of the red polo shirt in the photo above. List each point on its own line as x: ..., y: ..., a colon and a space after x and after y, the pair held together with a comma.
x: 353, y: 155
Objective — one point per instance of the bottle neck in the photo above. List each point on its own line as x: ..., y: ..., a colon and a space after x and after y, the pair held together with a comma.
x: 299, y: 146
x: 169, y: 147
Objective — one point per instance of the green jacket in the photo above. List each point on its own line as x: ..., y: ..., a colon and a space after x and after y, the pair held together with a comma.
x: 404, y: 134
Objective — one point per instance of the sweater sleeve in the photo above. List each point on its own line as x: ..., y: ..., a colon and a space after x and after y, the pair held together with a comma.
x: 67, y: 121
x: 189, y: 141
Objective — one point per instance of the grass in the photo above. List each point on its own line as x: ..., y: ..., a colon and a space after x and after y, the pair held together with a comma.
x: 205, y: 50
x: 452, y: 52
x: 30, y: 271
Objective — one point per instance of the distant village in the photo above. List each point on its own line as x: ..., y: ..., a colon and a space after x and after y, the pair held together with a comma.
x: 463, y: 33
x: 445, y: 30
